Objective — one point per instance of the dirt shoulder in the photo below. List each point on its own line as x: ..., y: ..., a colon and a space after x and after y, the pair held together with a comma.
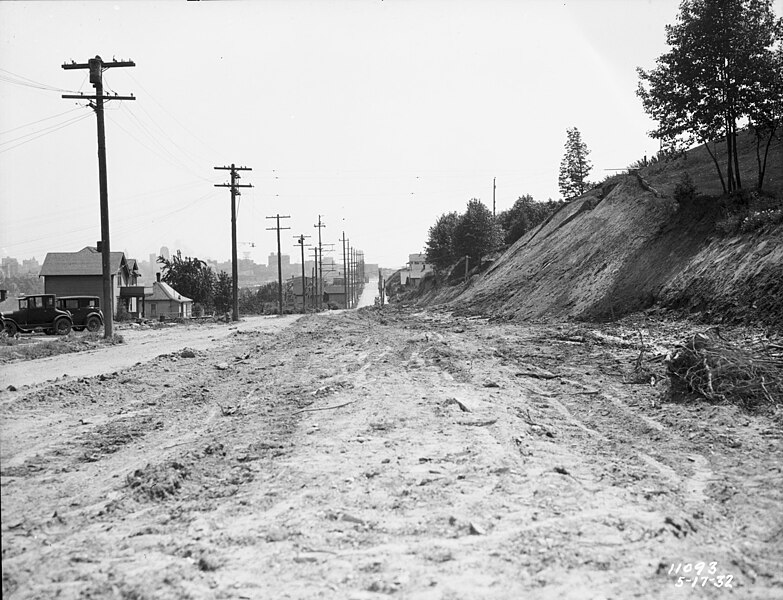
x: 368, y: 454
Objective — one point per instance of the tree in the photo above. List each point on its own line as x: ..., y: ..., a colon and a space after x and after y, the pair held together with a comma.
x: 191, y: 277
x: 223, y: 294
x: 440, y: 241
x: 575, y: 166
x: 523, y: 216
x: 476, y: 234
x: 716, y: 74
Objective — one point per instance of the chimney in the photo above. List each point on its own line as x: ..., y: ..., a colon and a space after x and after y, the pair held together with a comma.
x: 157, y: 276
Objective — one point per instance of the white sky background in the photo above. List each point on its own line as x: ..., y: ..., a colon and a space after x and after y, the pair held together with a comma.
x: 380, y: 116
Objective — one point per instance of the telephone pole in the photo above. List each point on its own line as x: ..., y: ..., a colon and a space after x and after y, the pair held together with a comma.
x: 279, y: 259
x: 97, y: 67
x: 300, y: 240
x: 345, y: 271
x: 493, y: 196
x: 234, y: 193
x: 319, y: 265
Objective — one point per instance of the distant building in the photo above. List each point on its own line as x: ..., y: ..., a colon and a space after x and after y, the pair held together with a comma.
x: 164, y: 252
x: 416, y: 270
x: 285, y: 260
x: 30, y: 265
x: 10, y: 267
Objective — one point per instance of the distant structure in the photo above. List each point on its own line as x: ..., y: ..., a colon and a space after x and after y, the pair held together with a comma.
x: 272, y: 260
x: 164, y: 252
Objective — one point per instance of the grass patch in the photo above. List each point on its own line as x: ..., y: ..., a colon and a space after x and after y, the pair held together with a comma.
x: 14, y: 349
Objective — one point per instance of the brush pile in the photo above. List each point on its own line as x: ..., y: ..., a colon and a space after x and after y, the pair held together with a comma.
x: 748, y: 374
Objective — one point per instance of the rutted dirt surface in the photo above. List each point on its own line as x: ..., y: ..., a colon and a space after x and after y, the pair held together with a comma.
x: 389, y: 454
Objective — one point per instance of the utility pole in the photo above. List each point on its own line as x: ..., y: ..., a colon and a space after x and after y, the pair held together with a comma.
x: 97, y: 67
x: 279, y: 260
x: 493, y: 196
x: 345, y: 271
x: 319, y: 265
x: 300, y: 241
x: 234, y: 193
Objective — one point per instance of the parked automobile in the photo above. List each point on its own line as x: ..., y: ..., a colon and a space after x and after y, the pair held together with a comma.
x: 38, y: 313
x: 85, y: 311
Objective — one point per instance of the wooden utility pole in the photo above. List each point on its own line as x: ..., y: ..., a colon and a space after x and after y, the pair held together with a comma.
x: 234, y: 271
x: 279, y: 259
x: 97, y: 67
x: 494, y: 187
x: 300, y: 240
x: 319, y: 266
x: 345, y: 271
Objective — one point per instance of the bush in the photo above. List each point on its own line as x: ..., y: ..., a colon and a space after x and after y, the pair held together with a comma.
x: 759, y: 218
x: 685, y: 190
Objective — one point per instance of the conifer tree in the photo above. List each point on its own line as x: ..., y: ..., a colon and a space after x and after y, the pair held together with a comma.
x: 575, y: 166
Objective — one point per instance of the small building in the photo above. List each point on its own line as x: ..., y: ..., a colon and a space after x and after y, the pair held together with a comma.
x: 164, y: 301
x: 416, y: 270
x: 334, y: 293
x: 81, y: 274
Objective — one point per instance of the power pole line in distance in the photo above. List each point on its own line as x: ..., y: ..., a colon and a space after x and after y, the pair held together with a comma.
x: 279, y: 259
x: 234, y: 271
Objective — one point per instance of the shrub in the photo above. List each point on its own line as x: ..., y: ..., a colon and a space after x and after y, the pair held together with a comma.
x: 759, y: 218
x: 685, y: 190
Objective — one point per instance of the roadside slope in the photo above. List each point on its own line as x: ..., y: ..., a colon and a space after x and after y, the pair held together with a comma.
x: 628, y: 245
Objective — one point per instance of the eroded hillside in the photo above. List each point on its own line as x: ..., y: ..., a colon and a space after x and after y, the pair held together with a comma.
x: 630, y: 244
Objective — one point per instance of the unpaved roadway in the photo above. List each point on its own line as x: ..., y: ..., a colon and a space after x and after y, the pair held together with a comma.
x: 389, y: 454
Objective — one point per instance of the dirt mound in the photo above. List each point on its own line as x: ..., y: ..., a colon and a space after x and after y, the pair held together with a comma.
x: 630, y: 244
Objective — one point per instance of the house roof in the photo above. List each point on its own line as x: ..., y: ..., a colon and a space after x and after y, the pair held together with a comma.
x: 163, y: 291
x: 86, y: 261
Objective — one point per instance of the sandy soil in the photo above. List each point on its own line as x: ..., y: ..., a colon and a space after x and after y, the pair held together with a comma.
x: 388, y: 454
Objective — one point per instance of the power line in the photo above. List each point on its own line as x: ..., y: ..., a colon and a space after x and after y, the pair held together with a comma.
x: 42, y: 132
x: 40, y: 121
x: 21, y: 80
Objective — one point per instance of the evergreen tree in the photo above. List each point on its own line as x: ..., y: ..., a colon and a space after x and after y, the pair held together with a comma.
x: 575, y: 166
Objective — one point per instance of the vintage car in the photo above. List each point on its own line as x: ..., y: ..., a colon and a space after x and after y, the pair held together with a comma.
x: 85, y: 311
x: 38, y: 313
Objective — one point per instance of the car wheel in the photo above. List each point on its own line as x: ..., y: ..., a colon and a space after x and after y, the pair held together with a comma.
x: 93, y: 324
x: 63, y: 327
x: 11, y: 329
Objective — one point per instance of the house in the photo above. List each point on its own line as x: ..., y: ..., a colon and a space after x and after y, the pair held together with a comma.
x: 81, y: 274
x: 335, y: 293
x: 416, y: 270
x: 164, y: 301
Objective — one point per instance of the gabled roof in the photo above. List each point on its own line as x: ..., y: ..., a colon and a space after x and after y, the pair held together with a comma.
x: 86, y: 261
x: 163, y: 291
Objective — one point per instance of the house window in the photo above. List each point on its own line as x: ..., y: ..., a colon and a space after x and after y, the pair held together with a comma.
x: 153, y: 309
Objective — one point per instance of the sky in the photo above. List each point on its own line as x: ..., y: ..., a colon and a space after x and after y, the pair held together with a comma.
x: 379, y: 116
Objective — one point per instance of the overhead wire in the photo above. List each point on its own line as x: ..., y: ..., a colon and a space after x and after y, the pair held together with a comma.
x: 13, y: 78
x: 41, y: 133
x: 40, y: 120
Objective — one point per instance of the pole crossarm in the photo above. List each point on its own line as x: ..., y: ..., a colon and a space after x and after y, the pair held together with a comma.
x: 96, y: 66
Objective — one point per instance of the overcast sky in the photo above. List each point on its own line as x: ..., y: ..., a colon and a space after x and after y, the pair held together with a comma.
x: 380, y: 116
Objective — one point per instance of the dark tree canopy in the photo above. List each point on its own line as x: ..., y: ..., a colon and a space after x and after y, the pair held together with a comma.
x: 223, y: 292
x: 191, y: 277
x: 523, y: 216
x: 575, y: 166
x: 440, y: 241
x: 723, y: 67
x: 476, y: 233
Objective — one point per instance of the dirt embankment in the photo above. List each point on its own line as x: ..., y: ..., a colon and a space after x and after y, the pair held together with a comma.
x: 376, y: 454
x: 629, y: 245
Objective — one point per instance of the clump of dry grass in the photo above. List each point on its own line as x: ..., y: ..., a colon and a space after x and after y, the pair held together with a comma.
x: 749, y: 375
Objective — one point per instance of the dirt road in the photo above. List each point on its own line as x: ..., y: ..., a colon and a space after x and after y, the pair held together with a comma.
x: 140, y: 345
x: 388, y: 454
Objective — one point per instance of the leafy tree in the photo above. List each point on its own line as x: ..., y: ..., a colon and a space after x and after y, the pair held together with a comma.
x: 523, y: 216
x: 223, y: 292
x: 440, y: 241
x: 575, y: 166
x: 720, y: 69
x: 766, y: 111
x: 476, y: 233
x: 191, y: 277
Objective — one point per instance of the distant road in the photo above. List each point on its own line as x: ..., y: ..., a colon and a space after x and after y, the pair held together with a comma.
x: 369, y: 294
x: 140, y: 345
